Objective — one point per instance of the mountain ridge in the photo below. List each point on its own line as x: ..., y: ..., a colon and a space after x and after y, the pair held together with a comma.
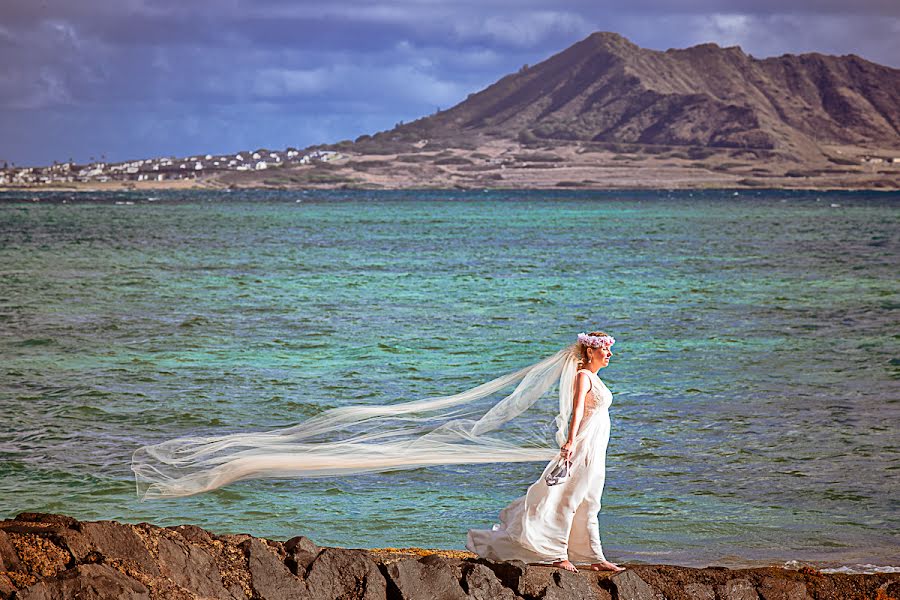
x: 605, y: 88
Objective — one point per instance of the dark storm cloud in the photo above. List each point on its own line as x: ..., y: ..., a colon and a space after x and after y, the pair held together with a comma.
x: 131, y: 78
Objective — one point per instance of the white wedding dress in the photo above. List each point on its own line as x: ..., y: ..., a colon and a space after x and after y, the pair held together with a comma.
x: 553, y: 523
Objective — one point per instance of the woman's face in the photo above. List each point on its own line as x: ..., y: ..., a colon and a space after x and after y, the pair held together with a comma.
x: 603, y: 353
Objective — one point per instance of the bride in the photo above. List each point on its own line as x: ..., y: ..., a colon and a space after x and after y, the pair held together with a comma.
x: 555, y: 523
x: 558, y: 523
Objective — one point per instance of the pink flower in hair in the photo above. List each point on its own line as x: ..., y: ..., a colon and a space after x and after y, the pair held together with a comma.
x: 595, y: 341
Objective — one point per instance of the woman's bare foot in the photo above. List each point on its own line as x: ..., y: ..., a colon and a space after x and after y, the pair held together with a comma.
x: 565, y: 564
x: 606, y: 566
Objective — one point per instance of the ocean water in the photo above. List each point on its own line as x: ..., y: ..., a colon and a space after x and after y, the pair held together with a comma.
x: 755, y: 375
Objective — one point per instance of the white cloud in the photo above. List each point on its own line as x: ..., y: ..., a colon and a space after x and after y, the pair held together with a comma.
x: 726, y: 29
x: 523, y: 29
x: 773, y: 35
x: 42, y: 89
x: 274, y: 82
x: 479, y: 58
x: 344, y: 81
x: 45, y: 67
x: 419, y: 86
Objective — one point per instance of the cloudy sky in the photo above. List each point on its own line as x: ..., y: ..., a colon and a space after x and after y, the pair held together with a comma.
x: 139, y: 78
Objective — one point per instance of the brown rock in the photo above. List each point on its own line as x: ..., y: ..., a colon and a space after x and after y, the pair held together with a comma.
x: 85, y: 542
x: 480, y: 583
x: 345, y: 574
x: 738, y: 589
x: 54, y: 556
x: 564, y: 585
x: 701, y: 591
x: 7, y: 588
x: 9, y: 559
x: 772, y: 588
x: 113, y: 541
x: 534, y: 581
x: 428, y: 578
x: 193, y: 534
x: 31, y: 528
x: 39, y: 555
x: 301, y: 552
x: 890, y: 589
x: 269, y: 576
x: 516, y: 576
x: 49, y: 519
x: 628, y: 586
x: 86, y: 582
x: 234, y: 538
x: 191, y: 568
x: 233, y: 565
x: 56, y: 529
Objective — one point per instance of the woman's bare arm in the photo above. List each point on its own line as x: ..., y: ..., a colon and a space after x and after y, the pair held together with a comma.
x: 582, y: 385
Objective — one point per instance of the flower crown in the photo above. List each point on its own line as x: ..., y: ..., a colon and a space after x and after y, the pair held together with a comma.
x: 595, y: 341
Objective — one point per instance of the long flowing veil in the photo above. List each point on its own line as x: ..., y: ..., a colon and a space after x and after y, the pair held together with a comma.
x: 465, y: 428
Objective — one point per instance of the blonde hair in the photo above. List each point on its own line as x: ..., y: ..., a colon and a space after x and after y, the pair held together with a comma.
x: 582, y: 349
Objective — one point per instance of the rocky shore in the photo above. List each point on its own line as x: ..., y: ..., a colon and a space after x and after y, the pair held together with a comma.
x: 49, y: 557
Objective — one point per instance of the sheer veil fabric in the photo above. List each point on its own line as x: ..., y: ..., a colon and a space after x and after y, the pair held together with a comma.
x: 470, y: 427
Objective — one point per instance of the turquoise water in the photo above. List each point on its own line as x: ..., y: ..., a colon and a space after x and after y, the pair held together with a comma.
x: 755, y: 375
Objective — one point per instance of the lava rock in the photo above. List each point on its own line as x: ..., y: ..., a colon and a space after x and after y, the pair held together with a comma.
x: 191, y: 568
x: 701, y: 591
x: 480, y: 583
x: 428, y: 578
x: 112, y: 540
x: 193, y: 534
x: 345, y: 574
x: 269, y: 576
x: 629, y: 586
x: 54, y: 556
x: 514, y: 575
x: 7, y: 588
x: 301, y: 552
x: 738, y: 589
x: 9, y: 559
x: 565, y: 585
x: 87, y: 582
x: 772, y: 588
x: 47, y: 518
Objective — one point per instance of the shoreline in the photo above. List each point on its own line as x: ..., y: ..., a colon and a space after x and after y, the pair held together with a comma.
x: 487, y: 163
x: 57, y: 556
x: 87, y: 188
x: 506, y: 165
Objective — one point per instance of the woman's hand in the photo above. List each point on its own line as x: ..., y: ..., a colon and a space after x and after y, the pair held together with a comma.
x: 567, y: 449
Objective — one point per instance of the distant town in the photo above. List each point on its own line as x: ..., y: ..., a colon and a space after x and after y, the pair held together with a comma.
x: 159, y: 169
